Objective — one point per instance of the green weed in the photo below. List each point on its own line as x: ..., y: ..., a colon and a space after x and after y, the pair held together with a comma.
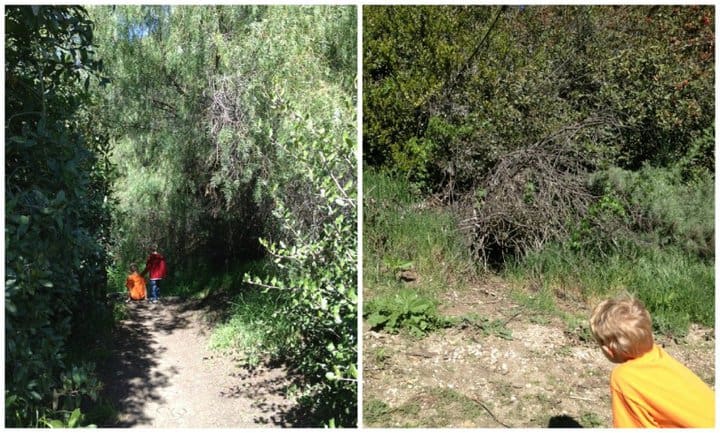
x: 495, y: 327
x: 375, y: 412
x: 541, y: 301
x: 405, y: 310
x: 381, y: 356
x: 579, y: 327
x: 591, y: 420
x: 440, y: 407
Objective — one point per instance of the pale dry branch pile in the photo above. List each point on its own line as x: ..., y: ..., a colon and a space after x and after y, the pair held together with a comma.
x: 533, y: 193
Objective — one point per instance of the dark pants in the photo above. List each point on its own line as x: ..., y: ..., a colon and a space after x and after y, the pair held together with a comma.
x: 154, y: 289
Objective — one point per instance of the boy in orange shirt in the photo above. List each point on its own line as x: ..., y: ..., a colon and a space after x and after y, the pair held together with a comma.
x: 136, y: 285
x: 649, y: 388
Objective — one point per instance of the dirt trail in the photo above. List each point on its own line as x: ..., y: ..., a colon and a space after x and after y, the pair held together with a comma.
x: 162, y: 374
x: 545, y: 376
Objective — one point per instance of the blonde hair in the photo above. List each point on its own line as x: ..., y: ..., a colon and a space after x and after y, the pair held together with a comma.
x: 624, y: 326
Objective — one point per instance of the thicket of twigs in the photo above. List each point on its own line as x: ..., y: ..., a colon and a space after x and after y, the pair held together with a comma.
x: 532, y: 194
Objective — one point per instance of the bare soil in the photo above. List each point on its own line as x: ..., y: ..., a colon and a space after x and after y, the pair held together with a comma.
x: 162, y: 374
x: 547, y: 375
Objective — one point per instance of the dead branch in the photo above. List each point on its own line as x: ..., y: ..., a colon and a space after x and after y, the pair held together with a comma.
x: 533, y: 194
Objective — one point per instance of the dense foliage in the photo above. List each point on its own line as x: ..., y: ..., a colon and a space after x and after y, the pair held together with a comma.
x: 449, y: 107
x: 56, y: 220
x: 471, y: 115
x: 234, y: 135
x: 224, y: 135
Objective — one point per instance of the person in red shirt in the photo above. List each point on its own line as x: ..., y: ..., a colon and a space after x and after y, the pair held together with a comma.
x: 157, y: 268
x: 648, y: 388
x: 135, y: 285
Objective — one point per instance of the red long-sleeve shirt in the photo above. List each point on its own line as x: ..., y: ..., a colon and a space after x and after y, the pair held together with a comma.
x: 156, y: 266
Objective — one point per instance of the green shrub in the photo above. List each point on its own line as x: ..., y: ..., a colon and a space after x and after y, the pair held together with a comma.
x: 406, y: 310
x: 55, y: 215
x: 311, y: 184
x: 658, y: 207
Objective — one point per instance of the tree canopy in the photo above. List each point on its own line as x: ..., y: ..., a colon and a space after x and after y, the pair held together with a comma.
x: 449, y: 89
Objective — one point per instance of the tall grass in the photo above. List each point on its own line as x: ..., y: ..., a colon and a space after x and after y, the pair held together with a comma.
x: 254, y: 328
x: 676, y: 287
x: 667, y: 262
x: 402, y: 231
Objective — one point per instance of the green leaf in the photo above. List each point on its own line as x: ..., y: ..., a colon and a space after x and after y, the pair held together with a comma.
x: 376, y: 319
x: 54, y: 423
x: 74, y: 418
x: 23, y: 223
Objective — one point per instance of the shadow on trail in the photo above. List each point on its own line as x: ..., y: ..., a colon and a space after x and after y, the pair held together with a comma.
x: 129, y: 376
x: 563, y: 421
x: 260, y: 384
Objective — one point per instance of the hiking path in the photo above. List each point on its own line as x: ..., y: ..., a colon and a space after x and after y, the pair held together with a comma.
x: 162, y: 373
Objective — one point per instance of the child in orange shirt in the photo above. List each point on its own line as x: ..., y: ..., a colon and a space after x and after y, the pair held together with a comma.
x: 136, y: 285
x: 648, y: 388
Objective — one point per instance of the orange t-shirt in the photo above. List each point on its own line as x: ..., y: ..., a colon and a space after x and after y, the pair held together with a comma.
x: 655, y: 390
x: 136, y: 284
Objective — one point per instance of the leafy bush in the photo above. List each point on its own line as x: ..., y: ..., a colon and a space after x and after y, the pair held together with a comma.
x: 509, y: 76
x: 405, y: 310
x: 657, y: 207
x: 55, y: 215
x: 306, y: 147
x: 319, y: 271
x: 70, y: 420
